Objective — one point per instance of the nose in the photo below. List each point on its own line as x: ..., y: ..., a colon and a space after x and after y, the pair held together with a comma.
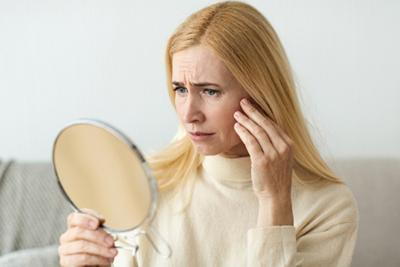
x: 192, y: 112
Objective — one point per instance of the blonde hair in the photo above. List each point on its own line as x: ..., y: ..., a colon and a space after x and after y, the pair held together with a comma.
x: 250, y: 48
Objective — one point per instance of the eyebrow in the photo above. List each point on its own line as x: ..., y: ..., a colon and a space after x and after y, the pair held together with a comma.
x: 196, y: 84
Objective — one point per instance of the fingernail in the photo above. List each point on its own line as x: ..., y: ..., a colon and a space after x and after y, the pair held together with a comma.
x: 245, y: 101
x: 113, y: 251
x: 236, y: 114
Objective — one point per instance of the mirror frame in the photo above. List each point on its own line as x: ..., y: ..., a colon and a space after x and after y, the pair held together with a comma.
x: 117, y: 134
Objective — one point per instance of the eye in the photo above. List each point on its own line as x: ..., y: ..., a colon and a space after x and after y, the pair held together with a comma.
x: 211, y: 92
x: 180, y: 90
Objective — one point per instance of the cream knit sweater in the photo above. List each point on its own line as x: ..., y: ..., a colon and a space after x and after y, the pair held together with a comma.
x: 218, y: 228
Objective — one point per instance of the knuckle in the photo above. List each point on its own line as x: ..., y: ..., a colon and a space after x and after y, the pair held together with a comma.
x: 262, y: 161
x: 272, y: 156
x: 83, y: 258
x: 96, y: 236
x: 252, y: 142
x: 102, y: 236
x: 77, y: 232
x: 81, y: 245
x: 265, y: 121
x: 250, y: 108
x: 259, y: 131
x: 284, y: 149
x: 243, y: 119
x: 85, y: 221
x: 77, y: 219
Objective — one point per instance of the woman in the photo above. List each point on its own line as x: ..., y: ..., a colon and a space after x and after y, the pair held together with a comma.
x: 242, y: 184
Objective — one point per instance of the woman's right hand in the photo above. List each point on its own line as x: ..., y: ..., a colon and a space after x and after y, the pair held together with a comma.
x: 85, y: 243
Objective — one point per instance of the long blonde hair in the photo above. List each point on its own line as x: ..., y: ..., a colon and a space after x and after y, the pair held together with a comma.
x: 250, y: 48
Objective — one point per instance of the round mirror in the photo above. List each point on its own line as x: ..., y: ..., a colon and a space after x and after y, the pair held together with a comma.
x: 99, y: 168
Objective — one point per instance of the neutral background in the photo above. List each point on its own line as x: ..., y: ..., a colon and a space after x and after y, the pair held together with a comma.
x: 66, y: 59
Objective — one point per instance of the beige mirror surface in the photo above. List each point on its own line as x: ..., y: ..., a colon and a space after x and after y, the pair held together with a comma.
x: 99, y: 171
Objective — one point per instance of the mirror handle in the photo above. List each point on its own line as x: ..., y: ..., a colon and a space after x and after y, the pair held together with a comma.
x: 164, y: 249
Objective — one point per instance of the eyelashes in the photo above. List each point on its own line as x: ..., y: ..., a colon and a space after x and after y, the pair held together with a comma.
x: 208, y: 91
x: 179, y: 89
x: 211, y: 92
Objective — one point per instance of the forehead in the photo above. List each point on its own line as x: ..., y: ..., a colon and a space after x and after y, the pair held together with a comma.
x: 199, y: 64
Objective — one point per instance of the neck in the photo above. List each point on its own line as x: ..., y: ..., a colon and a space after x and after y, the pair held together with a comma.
x: 237, y: 151
x: 228, y: 169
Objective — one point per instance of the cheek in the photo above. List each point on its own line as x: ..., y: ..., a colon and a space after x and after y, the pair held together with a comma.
x: 178, y: 108
x: 225, y: 124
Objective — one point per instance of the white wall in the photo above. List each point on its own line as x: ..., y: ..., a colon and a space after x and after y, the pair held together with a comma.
x: 65, y: 59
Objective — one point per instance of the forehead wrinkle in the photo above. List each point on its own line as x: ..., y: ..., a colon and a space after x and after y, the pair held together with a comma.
x: 189, y: 70
x: 201, y: 67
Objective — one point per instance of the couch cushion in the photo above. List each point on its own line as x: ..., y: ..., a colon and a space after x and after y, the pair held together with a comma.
x: 34, y: 257
x: 375, y: 184
x: 33, y: 212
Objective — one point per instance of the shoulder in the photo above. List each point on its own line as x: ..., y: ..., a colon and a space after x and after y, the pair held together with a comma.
x: 324, y: 204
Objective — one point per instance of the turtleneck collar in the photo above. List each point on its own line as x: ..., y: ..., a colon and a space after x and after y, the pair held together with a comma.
x: 228, y: 170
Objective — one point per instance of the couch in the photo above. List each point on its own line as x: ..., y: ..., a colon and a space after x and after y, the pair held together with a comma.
x: 33, y: 212
x: 32, y: 215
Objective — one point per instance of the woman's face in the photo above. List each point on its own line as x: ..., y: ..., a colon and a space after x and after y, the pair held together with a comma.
x: 206, y: 96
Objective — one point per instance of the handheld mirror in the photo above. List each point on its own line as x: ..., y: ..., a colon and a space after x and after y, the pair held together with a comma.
x: 99, y: 168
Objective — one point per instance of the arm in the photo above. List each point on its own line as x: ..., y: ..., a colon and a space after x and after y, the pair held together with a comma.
x: 276, y: 246
x: 273, y: 243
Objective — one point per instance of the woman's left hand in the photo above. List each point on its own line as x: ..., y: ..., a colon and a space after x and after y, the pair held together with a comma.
x: 271, y: 153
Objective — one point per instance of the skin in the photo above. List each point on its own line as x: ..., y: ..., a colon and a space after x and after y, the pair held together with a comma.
x: 207, y: 108
x: 238, y: 128
x: 85, y: 243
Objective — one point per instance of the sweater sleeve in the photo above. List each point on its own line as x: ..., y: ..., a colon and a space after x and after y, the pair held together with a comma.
x: 277, y: 246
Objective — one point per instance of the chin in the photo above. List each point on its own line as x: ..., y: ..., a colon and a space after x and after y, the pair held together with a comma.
x: 238, y: 150
x: 208, y: 150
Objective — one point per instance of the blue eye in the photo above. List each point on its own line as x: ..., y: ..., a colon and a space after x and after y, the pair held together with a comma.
x: 212, y: 92
x: 180, y: 90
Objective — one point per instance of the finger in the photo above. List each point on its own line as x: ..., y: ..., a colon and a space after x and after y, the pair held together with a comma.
x: 93, y: 213
x: 98, y: 236
x: 259, y: 133
x: 84, y: 260
x: 83, y: 220
x: 263, y: 121
x: 252, y: 146
x: 86, y: 247
x: 280, y: 131
x: 288, y: 140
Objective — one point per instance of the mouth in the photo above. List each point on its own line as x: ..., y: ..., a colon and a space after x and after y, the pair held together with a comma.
x: 200, y: 136
x: 200, y: 133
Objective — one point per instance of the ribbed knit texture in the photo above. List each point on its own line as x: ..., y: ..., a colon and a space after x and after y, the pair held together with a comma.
x: 219, y: 226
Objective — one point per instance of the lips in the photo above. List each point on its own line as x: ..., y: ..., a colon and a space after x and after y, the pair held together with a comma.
x: 200, y: 136
x: 200, y: 133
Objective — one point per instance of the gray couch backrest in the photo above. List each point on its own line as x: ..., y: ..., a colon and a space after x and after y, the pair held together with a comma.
x: 33, y: 212
x: 375, y: 183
